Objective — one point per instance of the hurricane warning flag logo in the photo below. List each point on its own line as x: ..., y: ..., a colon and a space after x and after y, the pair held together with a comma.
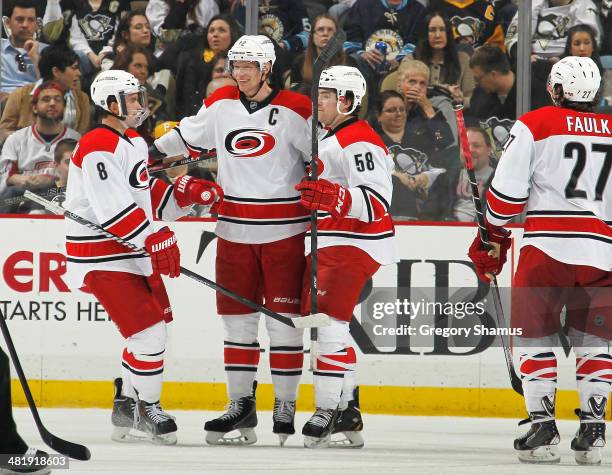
x: 249, y: 143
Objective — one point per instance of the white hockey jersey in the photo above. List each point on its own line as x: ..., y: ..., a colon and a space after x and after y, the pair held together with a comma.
x: 355, y: 157
x: 549, y: 25
x: 109, y: 185
x: 27, y: 152
x: 556, y: 166
x: 261, y: 149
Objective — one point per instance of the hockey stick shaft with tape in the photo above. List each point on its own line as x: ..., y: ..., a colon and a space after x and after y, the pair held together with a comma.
x: 300, y: 322
x: 159, y: 167
x: 515, y: 380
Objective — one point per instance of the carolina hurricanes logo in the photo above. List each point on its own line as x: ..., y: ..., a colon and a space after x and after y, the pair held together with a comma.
x: 139, y: 176
x: 249, y: 143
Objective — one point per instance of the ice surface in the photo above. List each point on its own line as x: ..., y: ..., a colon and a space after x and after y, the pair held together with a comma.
x: 394, y: 444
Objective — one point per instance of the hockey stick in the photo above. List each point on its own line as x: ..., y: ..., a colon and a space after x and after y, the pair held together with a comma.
x: 70, y: 449
x: 332, y: 46
x: 515, y: 381
x: 185, y: 161
x: 314, y: 320
x: 52, y: 192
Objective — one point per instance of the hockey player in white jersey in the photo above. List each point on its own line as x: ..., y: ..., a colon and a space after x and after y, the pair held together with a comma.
x: 262, y: 137
x: 108, y: 184
x: 355, y: 237
x: 556, y: 166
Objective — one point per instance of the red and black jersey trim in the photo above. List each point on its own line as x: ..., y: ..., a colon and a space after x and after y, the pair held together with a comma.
x: 128, y: 223
x: 504, y: 207
x: 367, y: 237
x: 291, y: 199
x: 373, y: 214
x: 159, y: 200
x: 565, y: 224
x: 262, y: 222
x: 193, y: 150
x: 97, y: 260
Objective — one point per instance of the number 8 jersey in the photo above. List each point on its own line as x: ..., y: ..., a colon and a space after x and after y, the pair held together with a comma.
x: 556, y: 167
x: 355, y: 157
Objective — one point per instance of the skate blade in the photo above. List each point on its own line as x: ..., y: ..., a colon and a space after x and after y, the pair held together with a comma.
x: 129, y: 435
x: 547, y: 454
x: 588, y: 457
x: 317, y: 442
x: 282, y: 438
x: 247, y: 437
x: 351, y: 440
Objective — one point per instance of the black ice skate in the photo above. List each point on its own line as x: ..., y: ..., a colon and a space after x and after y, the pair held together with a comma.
x: 591, y: 435
x: 283, y: 418
x: 157, y: 424
x: 37, y: 466
x: 318, y: 429
x: 349, y: 424
x: 241, y: 416
x: 123, y: 415
x: 539, y: 444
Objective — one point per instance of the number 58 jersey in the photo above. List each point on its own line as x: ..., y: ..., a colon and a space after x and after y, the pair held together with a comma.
x: 556, y: 166
x: 355, y: 157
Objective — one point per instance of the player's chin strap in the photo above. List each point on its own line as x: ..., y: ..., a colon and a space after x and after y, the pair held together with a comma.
x: 262, y: 81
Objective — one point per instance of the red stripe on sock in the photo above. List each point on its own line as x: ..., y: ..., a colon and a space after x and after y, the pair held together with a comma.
x: 131, y: 360
x: 286, y: 360
x: 247, y: 356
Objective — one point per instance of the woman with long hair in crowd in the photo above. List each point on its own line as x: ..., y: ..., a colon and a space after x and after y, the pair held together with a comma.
x: 324, y: 27
x: 195, y: 66
x: 449, y: 68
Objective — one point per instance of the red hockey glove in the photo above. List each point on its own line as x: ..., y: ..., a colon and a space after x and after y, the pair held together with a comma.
x: 325, y: 196
x: 490, y: 261
x: 165, y: 255
x: 189, y: 190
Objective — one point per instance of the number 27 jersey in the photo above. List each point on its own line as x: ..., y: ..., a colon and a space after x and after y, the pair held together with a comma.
x: 556, y: 166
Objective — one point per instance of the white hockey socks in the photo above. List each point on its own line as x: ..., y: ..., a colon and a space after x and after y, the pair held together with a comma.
x: 538, y: 367
x: 335, y: 360
x: 240, y: 353
x: 286, y: 357
x: 143, y: 363
x: 593, y: 367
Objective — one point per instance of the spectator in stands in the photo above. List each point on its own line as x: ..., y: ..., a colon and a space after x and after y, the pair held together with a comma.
x: 61, y: 65
x: 495, y: 94
x: 92, y: 28
x: 27, y: 160
x: 195, y: 66
x: 133, y: 29
x: 582, y: 41
x: 369, y: 22
x: 340, y: 8
x: 49, y: 18
x: 21, y: 51
x: 474, y: 22
x: 137, y: 61
x: 286, y: 22
x: 61, y: 158
x: 606, y: 20
x: 550, y: 22
x: 324, y: 27
x: 448, y: 67
x: 452, y: 191
x: 417, y: 136
x: 171, y: 19
x: 218, y: 83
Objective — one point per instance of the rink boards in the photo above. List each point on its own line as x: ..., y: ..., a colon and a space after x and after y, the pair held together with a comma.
x: 71, y: 351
